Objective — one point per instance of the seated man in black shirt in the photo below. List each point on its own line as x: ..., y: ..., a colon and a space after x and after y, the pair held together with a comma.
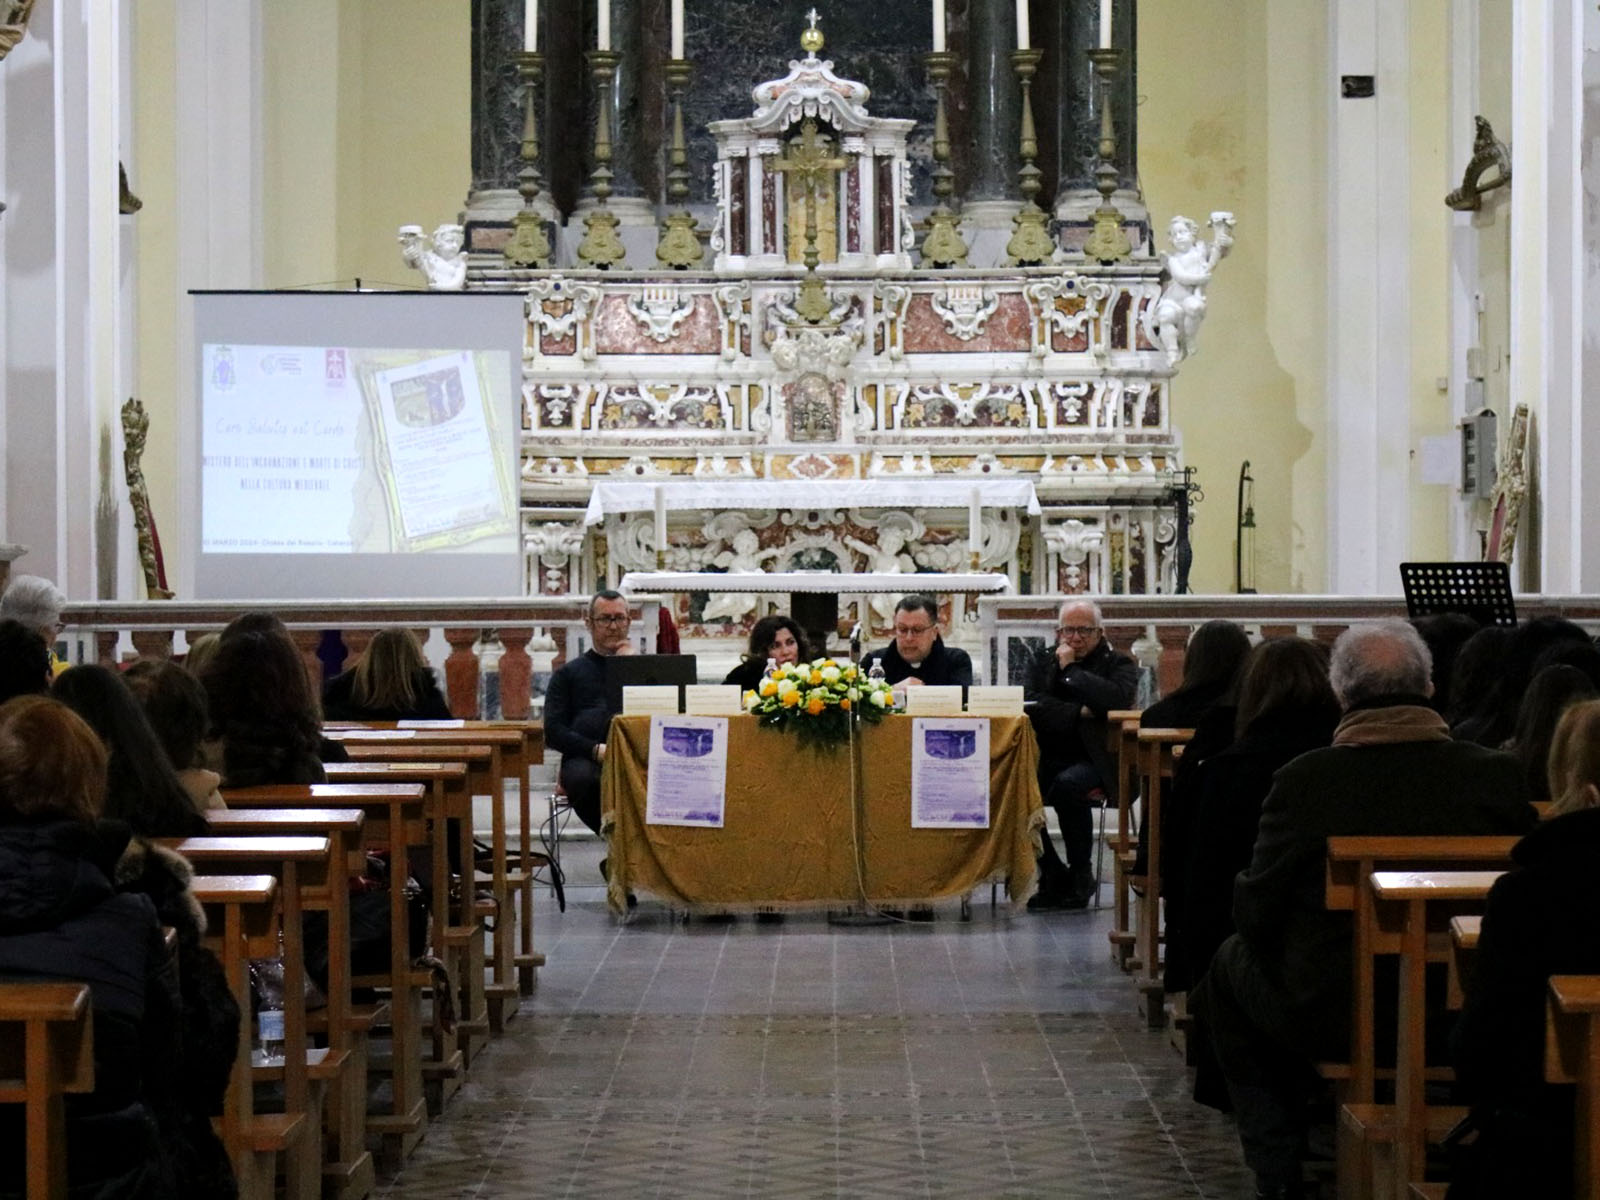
x: 576, y: 714
x: 918, y: 654
x: 1073, y: 685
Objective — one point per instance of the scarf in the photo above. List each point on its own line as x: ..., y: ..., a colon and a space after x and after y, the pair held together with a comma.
x: 1389, y: 725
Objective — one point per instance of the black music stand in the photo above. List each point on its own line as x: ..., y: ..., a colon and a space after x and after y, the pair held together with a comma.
x: 1481, y: 590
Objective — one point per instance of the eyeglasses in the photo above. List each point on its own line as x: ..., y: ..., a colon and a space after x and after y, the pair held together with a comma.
x: 612, y: 619
x: 912, y: 630
x: 1081, y: 631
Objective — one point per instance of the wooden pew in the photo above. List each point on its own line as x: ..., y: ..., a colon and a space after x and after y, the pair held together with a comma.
x: 1464, y: 933
x: 1122, y: 736
x: 1156, y: 749
x: 242, y: 923
x: 46, y: 1051
x: 1572, y: 1055
x: 394, y: 818
x: 306, y: 869
x: 347, y: 1172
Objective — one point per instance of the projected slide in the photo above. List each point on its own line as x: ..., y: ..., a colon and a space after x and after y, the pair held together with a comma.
x: 354, y: 450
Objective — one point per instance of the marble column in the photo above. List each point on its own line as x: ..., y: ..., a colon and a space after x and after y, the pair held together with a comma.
x: 992, y: 197
x: 497, y: 117
x: 1072, y: 123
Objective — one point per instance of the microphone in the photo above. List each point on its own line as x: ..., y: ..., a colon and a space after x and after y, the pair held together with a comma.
x: 855, y: 643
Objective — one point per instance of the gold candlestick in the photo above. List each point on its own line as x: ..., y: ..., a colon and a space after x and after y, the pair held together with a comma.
x: 1030, y: 243
x: 944, y: 245
x: 601, y: 247
x: 529, y: 247
x: 1108, y: 240
x: 679, y: 247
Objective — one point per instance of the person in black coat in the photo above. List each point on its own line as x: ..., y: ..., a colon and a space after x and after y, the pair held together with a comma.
x: 264, y: 712
x: 577, y: 714
x: 918, y: 654
x: 1276, y: 997
x: 1072, y: 687
x: 777, y: 639
x: 1540, y: 921
x: 61, y: 919
x: 392, y: 682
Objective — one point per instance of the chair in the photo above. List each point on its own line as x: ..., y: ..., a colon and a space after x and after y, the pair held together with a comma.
x: 557, y: 816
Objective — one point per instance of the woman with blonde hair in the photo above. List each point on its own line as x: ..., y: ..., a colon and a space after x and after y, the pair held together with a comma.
x: 1539, y: 921
x: 391, y: 682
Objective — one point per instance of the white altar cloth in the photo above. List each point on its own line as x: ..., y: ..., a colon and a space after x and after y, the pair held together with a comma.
x: 648, y: 582
x: 950, y: 491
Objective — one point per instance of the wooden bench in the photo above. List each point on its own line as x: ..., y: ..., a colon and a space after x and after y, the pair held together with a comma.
x: 1464, y: 934
x: 1156, y: 763
x: 348, y: 1172
x: 1572, y: 1055
x: 394, y: 819
x: 46, y: 1051
x: 1122, y: 737
x: 242, y: 923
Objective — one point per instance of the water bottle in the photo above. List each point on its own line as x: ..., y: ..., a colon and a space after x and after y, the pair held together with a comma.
x: 875, y: 671
x: 772, y: 669
x: 266, y: 978
x: 489, y: 677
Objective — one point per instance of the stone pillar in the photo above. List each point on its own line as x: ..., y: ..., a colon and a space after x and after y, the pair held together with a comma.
x: 1070, y: 127
x: 994, y: 98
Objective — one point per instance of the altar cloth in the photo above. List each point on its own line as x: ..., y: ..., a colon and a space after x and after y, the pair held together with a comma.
x: 637, y: 583
x: 948, y: 491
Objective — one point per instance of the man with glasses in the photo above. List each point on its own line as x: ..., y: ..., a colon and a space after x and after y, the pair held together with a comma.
x: 1073, y: 686
x: 576, y: 713
x: 918, y: 654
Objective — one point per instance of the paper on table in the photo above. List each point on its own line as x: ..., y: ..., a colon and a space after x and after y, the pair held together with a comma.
x: 688, y: 778
x: 650, y: 698
x: 949, y: 773
x: 455, y: 724
x: 934, y: 700
x: 1000, y: 701
x: 713, y: 699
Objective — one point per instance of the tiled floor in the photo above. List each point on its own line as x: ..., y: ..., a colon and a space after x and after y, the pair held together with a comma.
x: 1000, y: 1057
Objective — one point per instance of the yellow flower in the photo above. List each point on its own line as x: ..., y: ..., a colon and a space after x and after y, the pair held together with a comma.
x: 816, y: 678
x: 791, y: 698
x: 845, y: 704
x: 768, y: 688
x: 815, y: 705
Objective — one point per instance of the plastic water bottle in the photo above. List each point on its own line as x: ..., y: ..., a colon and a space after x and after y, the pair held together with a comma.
x: 489, y: 678
x: 875, y: 671
x: 266, y: 975
x: 772, y: 669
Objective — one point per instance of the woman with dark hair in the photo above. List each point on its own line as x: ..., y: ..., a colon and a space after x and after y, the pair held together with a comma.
x: 1211, y: 664
x: 777, y: 638
x: 143, y: 789
x: 1493, y: 722
x: 1444, y: 634
x: 1474, y: 675
x: 175, y: 703
x: 61, y: 919
x: 25, y: 667
x: 391, y: 682
x: 263, y: 709
x: 1553, y: 690
x: 1539, y: 921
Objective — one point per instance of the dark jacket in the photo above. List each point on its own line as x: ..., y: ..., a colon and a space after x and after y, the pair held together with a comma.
x: 747, y: 675
x: 339, y: 704
x: 1184, y: 708
x: 1410, y: 788
x: 1541, y: 920
x: 60, y: 919
x: 576, y: 715
x: 1102, y: 681
x: 945, y: 665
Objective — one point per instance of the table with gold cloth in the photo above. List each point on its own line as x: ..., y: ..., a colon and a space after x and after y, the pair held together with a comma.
x: 788, y: 840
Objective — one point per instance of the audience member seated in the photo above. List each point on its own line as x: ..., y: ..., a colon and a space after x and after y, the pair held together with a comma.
x: 175, y: 703
x: 201, y: 651
x: 25, y: 661
x: 37, y: 604
x: 140, y: 778
x: 1277, y: 995
x: 577, y: 714
x: 392, y: 682
x: 1073, y: 686
x: 61, y: 919
x: 1492, y: 722
x: 918, y: 654
x: 265, y: 720
x: 1553, y: 690
x: 1540, y: 921
x: 1472, y: 679
x: 777, y: 639
x: 1444, y: 634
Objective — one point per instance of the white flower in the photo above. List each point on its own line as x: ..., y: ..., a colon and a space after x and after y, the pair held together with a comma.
x: 752, y: 701
x: 785, y: 686
x: 854, y: 694
x: 830, y: 674
x: 881, y: 699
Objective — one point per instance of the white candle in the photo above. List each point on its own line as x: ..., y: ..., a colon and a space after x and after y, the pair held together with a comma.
x: 530, y: 25
x: 938, y: 26
x: 661, y: 504
x: 975, y: 523
x: 1022, y: 24
x: 1105, y: 24
x: 677, y: 28
x: 603, y: 42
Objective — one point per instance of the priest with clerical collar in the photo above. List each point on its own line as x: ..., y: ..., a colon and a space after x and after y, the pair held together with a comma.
x: 918, y: 654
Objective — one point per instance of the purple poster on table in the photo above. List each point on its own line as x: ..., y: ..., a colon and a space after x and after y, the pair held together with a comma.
x: 688, y: 773
x: 949, y: 773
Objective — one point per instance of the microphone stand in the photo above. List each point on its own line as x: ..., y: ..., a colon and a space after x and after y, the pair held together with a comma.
x: 862, y: 912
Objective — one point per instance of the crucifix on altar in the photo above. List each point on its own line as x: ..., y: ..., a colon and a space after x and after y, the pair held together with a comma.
x: 812, y: 167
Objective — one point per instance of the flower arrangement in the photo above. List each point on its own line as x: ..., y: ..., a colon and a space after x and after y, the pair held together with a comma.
x: 819, y: 699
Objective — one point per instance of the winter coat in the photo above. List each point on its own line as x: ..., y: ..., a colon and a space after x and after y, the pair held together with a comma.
x: 1102, y: 681
x: 339, y: 702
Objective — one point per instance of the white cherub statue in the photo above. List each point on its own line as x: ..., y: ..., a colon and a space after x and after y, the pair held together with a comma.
x: 1182, y: 306
x: 746, y: 556
x: 441, y: 259
x: 888, y: 557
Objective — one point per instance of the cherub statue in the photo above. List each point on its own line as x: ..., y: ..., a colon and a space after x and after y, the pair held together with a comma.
x: 888, y: 557
x: 746, y: 556
x: 1182, y: 306
x: 440, y: 259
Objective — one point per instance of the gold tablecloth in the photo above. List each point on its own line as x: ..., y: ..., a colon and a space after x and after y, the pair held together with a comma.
x: 788, y: 837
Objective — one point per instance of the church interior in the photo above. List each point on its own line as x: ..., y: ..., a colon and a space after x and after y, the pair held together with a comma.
x: 542, y: 333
